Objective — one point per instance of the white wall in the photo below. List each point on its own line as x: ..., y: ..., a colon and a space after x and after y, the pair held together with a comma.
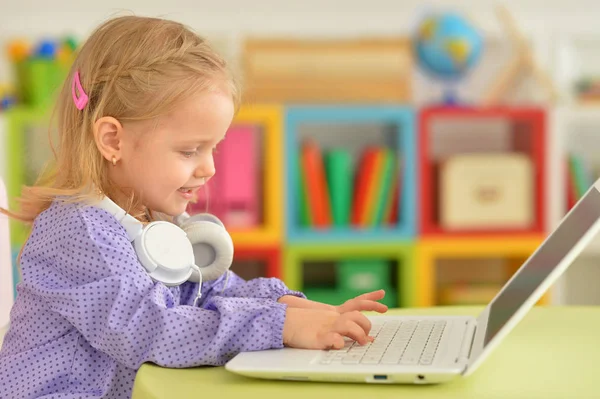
x: 232, y: 19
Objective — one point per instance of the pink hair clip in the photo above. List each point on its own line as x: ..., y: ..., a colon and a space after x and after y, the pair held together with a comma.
x: 82, y: 100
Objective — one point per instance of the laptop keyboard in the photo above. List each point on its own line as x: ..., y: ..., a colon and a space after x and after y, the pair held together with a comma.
x: 409, y: 342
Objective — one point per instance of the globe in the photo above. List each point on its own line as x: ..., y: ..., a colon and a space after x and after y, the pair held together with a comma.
x: 447, y: 46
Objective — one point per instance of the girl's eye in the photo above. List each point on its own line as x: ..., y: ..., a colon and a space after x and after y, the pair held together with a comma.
x: 188, y: 154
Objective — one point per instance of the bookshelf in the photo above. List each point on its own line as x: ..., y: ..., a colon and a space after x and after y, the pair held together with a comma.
x: 409, y: 249
x: 413, y: 250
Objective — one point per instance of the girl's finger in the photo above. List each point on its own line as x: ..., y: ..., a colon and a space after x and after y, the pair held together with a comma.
x: 332, y: 340
x: 365, y: 305
x: 373, y: 295
x: 360, y: 319
x: 352, y: 330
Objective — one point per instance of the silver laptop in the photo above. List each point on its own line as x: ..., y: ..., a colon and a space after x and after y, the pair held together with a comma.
x: 435, y: 349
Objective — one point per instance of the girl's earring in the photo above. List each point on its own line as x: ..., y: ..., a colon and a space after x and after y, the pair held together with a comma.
x: 114, y: 160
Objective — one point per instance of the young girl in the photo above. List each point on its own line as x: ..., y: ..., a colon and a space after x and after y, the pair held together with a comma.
x: 144, y: 105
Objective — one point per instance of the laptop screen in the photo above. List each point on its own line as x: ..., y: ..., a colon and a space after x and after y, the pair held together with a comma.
x: 540, y: 265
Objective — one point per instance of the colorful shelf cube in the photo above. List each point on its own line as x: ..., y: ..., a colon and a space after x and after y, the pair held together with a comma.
x: 268, y: 119
x: 399, y: 253
x: 526, y: 131
x: 269, y: 256
x: 27, y: 150
x: 429, y: 251
x: 399, y: 122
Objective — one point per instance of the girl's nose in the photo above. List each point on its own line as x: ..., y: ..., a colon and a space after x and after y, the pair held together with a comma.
x: 206, y: 168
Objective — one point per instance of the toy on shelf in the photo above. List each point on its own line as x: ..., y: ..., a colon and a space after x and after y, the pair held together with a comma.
x: 486, y: 190
x: 447, y: 47
x: 40, y: 68
x: 8, y: 97
x: 523, y: 62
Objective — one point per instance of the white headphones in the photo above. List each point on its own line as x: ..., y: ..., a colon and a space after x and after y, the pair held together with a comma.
x: 196, y: 248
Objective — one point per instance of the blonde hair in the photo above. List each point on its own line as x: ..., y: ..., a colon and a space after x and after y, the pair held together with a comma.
x: 133, y: 69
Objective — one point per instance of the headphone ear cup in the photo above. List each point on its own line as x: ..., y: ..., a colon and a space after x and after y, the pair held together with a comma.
x: 185, y: 219
x: 212, y: 245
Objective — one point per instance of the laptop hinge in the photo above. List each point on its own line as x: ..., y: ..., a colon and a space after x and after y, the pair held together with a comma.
x: 467, y: 343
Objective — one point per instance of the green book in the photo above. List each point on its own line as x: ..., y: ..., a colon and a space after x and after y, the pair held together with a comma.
x: 384, y: 187
x: 580, y: 175
x: 304, y: 213
x: 338, y: 169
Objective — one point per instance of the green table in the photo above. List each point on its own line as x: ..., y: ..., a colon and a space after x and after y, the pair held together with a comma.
x: 552, y: 353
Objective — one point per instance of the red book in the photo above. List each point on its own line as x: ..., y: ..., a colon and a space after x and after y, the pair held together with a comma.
x: 365, y: 184
x: 316, y: 184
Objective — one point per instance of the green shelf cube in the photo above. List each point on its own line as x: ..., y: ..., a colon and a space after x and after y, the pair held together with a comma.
x: 400, y: 281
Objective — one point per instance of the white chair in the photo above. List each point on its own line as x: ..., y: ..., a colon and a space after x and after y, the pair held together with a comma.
x: 6, y: 275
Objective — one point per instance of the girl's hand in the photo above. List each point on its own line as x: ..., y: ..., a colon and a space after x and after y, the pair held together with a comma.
x: 364, y: 302
x: 306, y: 328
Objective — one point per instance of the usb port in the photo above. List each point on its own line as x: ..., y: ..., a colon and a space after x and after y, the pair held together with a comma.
x: 380, y: 377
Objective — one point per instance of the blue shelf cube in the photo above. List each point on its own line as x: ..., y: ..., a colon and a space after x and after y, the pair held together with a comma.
x: 400, y: 123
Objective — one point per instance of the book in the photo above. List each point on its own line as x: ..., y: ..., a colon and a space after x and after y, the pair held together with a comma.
x: 316, y: 184
x: 338, y: 167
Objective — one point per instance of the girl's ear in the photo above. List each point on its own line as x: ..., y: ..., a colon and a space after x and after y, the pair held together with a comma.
x: 108, y: 134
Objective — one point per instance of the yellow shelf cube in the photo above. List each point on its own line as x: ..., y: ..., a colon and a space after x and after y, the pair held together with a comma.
x: 428, y: 251
x: 270, y: 119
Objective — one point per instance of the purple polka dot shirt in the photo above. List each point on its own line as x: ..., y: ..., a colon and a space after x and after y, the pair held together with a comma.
x: 87, y: 315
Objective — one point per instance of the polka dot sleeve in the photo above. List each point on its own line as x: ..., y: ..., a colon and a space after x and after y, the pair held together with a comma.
x: 236, y: 287
x: 103, y: 291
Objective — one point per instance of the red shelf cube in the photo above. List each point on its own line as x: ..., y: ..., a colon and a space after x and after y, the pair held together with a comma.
x: 271, y: 256
x: 528, y: 131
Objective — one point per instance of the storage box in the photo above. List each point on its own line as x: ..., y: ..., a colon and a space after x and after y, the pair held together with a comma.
x: 363, y: 274
x: 491, y: 190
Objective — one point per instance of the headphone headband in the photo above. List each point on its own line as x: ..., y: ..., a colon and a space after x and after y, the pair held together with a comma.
x: 132, y: 226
